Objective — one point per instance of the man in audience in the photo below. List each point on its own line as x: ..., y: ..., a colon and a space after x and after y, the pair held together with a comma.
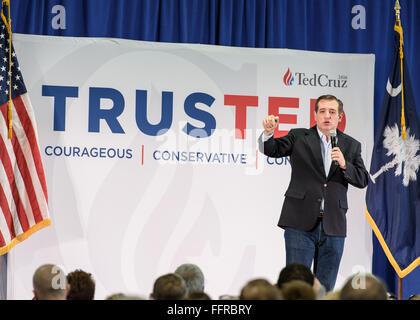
x: 82, y: 285
x: 170, y: 286
x: 298, y: 271
x: 50, y: 283
x: 259, y: 289
x: 363, y: 287
x: 297, y: 290
x: 193, y: 277
x: 295, y: 271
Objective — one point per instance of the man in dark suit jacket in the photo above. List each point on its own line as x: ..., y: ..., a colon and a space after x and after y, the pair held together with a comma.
x: 315, y: 204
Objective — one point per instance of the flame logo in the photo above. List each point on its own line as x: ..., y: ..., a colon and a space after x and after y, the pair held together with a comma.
x: 288, y: 78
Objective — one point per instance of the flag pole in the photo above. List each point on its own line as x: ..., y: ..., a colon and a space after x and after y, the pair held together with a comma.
x: 8, y: 24
x: 400, y: 289
x: 398, y: 28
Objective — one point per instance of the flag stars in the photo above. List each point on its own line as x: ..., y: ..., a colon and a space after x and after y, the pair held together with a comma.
x: 11, y: 79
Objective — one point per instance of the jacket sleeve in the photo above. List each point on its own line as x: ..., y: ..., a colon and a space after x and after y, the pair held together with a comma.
x: 356, y: 173
x: 277, y: 147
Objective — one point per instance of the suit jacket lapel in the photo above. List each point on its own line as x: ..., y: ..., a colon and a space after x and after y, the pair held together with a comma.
x: 314, y: 143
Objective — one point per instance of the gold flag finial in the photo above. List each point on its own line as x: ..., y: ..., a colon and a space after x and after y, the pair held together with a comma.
x: 397, y: 9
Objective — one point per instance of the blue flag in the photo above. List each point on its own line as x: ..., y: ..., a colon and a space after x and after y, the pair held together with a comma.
x: 393, y: 193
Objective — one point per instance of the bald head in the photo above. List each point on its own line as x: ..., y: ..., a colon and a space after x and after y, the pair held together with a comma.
x: 363, y: 286
x: 50, y: 283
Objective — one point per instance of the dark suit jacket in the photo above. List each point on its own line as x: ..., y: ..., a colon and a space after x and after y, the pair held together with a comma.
x: 308, y: 183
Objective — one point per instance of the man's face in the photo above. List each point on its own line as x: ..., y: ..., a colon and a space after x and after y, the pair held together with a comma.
x: 327, y: 117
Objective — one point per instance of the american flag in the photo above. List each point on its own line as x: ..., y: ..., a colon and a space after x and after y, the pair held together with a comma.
x: 23, y: 189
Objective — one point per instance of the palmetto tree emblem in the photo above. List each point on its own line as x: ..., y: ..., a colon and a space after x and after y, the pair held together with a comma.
x: 404, y: 152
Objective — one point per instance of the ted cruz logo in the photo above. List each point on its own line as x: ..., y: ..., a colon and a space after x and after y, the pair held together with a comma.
x: 315, y: 80
x: 288, y: 78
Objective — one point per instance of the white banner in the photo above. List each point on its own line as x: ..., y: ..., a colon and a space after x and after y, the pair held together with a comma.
x: 150, y: 155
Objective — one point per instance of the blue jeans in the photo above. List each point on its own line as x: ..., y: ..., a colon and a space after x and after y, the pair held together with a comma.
x: 302, y: 246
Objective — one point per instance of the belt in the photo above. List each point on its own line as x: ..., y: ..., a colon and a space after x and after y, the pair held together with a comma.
x: 320, y: 214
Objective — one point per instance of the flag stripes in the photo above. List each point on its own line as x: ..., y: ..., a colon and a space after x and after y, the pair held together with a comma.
x: 27, y: 119
x: 23, y: 188
x: 23, y: 192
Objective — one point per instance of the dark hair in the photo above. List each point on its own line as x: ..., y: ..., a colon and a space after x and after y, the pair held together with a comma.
x: 82, y: 285
x: 295, y: 271
x: 170, y: 286
x: 329, y: 97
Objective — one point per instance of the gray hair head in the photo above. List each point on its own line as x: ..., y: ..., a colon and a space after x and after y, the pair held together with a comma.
x: 193, y: 276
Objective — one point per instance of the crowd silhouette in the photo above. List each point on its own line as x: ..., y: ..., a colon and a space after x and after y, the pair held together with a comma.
x: 295, y: 282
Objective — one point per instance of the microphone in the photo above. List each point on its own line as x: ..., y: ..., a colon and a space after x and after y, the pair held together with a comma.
x: 334, y: 141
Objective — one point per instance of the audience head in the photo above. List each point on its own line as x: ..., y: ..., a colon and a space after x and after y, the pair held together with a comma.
x: 50, y: 283
x: 170, y: 286
x: 193, y: 277
x: 82, y: 285
x: 122, y: 296
x: 295, y: 271
x: 259, y: 289
x: 297, y: 290
x: 115, y: 296
x: 363, y: 287
x: 197, y: 296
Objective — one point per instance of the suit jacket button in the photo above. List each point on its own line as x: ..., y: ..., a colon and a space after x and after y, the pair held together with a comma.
x: 319, y: 200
